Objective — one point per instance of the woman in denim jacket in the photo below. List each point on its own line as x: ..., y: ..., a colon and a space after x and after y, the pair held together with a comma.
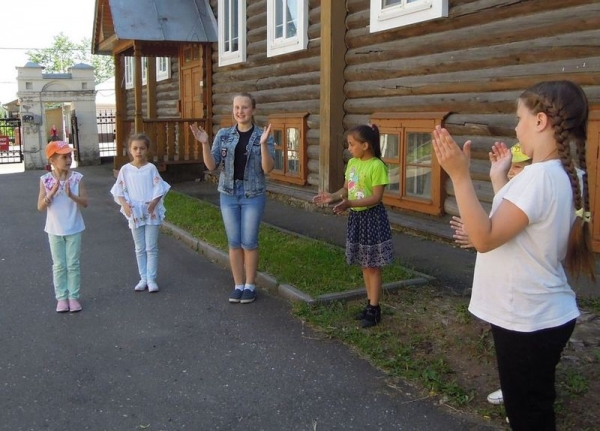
x: 243, y: 153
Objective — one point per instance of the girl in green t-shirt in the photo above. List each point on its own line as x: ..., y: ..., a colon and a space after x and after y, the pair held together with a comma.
x: 369, y: 238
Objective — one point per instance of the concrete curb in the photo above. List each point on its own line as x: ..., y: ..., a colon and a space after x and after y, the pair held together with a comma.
x: 269, y: 282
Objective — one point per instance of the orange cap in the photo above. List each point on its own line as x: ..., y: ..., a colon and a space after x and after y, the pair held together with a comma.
x: 57, y: 147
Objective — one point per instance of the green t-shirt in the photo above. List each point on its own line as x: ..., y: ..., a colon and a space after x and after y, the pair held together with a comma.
x: 362, y: 176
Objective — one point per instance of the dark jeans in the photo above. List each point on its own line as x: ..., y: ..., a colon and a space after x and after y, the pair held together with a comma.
x: 527, y: 367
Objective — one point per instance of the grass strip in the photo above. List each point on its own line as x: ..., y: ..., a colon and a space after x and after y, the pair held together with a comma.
x: 313, y: 266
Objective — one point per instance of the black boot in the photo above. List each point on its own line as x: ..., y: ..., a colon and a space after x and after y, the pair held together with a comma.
x: 372, y: 316
x: 362, y: 313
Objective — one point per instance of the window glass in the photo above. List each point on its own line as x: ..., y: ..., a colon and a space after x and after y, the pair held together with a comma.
x: 293, y: 146
x: 418, y: 169
x: 278, y: 138
x: 394, y: 177
x: 389, y: 146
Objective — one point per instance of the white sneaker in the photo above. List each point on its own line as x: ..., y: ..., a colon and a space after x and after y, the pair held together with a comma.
x: 495, y: 397
x: 140, y: 286
x: 152, y: 287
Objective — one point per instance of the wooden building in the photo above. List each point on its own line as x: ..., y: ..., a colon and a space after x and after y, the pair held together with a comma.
x: 328, y: 65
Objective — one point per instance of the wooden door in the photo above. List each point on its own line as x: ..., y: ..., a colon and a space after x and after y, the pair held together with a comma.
x: 192, y: 91
x: 593, y: 162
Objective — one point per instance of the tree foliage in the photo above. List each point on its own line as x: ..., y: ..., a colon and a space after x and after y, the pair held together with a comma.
x: 65, y: 53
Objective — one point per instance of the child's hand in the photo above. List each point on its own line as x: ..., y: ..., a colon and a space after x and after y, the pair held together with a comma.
x: 127, y: 209
x: 454, y: 160
x: 500, y: 159
x: 53, y: 190
x: 461, y: 237
x: 341, y: 207
x: 151, y: 207
x: 322, y: 198
x: 68, y: 189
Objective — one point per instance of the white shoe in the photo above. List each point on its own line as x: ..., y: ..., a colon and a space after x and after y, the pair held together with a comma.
x: 495, y: 397
x: 152, y: 287
x: 140, y: 286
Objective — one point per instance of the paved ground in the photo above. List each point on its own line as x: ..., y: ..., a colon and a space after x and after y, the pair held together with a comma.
x: 182, y: 359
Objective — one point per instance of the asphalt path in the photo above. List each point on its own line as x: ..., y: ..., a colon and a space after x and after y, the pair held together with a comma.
x: 180, y: 359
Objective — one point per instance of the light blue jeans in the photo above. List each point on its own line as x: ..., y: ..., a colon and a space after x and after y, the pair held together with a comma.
x: 242, y: 216
x: 146, y: 251
x: 66, y: 268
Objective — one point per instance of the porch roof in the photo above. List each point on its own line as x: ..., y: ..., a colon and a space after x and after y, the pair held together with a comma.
x: 152, y: 21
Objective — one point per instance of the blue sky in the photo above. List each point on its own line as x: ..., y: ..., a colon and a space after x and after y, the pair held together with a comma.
x: 32, y: 24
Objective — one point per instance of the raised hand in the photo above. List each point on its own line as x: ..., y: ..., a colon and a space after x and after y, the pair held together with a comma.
x: 265, y: 135
x: 454, y: 160
x: 500, y: 159
x: 199, y: 133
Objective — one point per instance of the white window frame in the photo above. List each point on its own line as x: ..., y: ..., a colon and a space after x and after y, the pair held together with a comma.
x: 128, y: 72
x: 405, y: 13
x: 284, y: 45
x: 161, y: 74
x: 232, y: 57
x: 144, y: 70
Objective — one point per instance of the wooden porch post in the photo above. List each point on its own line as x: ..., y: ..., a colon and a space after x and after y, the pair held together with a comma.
x: 137, y: 82
x: 331, y: 136
x: 121, y: 157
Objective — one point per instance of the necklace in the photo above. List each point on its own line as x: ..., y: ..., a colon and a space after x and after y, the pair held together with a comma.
x: 548, y: 157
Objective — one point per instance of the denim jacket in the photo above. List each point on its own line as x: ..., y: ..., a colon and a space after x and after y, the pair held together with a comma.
x: 223, y: 151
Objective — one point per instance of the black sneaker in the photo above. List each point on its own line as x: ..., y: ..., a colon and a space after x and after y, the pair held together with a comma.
x: 372, y: 316
x: 236, y: 295
x: 248, y: 296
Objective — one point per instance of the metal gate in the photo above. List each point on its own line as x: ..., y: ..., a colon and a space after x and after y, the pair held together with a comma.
x: 11, y: 149
x: 107, y: 127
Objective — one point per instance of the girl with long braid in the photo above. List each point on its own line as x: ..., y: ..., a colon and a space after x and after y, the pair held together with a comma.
x: 538, y: 220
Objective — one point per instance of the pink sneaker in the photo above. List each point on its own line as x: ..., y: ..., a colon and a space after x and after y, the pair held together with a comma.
x: 74, y: 305
x: 62, y: 306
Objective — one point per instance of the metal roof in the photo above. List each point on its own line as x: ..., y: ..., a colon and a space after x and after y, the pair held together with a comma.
x: 164, y: 20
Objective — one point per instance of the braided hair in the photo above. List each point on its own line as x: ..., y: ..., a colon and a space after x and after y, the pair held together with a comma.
x: 566, y: 106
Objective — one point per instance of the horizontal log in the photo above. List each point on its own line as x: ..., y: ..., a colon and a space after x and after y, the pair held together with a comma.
x: 375, y: 82
x: 484, y: 190
x: 451, y: 206
x: 310, y: 64
x: 481, y: 103
x: 533, y: 19
x: 269, y: 83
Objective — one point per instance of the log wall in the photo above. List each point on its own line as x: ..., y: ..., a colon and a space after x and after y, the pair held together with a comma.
x: 280, y: 84
x: 473, y: 64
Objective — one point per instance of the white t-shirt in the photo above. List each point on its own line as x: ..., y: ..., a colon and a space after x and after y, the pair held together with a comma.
x: 139, y: 186
x: 63, y: 216
x: 522, y: 285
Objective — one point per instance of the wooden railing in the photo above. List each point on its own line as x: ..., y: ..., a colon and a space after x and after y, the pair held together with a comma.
x: 172, y: 140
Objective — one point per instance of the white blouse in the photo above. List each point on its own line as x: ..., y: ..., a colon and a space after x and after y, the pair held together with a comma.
x: 140, y: 186
x: 63, y: 216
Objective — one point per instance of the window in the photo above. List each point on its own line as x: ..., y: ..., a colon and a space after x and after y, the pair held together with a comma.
x: 387, y: 14
x: 406, y: 148
x: 128, y: 72
x: 289, y: 133
x: 287, y: 26
x: 163, y: 70
x: 232, y: 31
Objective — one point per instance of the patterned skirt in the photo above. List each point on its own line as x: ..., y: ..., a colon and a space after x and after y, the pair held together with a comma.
x: 369, y: 241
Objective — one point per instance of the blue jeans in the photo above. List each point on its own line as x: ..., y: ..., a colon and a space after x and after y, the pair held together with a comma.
x: 242, y: 216
x: 66, y: 268
x: 146, y: 251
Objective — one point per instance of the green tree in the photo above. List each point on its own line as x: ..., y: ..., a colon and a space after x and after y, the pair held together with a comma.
x: 65, y: 53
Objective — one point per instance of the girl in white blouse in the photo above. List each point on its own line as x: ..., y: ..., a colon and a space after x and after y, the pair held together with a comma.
x: 140, y: 191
